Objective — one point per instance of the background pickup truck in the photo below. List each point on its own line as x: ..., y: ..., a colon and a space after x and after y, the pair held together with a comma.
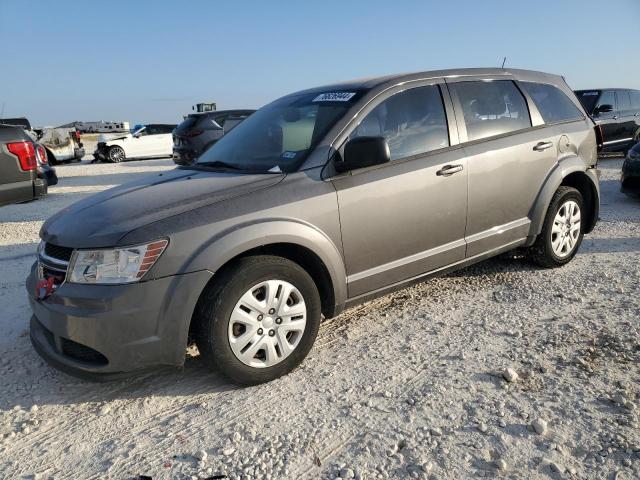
x: 62, y: 144
x: 18, y: 164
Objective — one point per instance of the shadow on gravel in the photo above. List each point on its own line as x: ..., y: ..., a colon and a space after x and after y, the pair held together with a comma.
x: 48, y: 386
x: 611, y: 245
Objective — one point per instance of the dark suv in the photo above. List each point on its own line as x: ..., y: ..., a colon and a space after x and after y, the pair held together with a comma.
x: 617, y: 112
x: 199, y: 131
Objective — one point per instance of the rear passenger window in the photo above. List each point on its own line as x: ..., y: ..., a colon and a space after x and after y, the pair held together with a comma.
x: 492, y: 108
x: 635, y: 99
x: 624, y: 103
x: 553, y: 104
x: 412, y: 122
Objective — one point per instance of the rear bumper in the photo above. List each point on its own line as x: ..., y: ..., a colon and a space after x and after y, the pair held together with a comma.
x: 184, y: 156
x: 40, y: 187
x: 110, y: 331
x: 49, y: 175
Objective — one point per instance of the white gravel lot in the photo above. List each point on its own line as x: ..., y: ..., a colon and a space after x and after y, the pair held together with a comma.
x: 413, y: 385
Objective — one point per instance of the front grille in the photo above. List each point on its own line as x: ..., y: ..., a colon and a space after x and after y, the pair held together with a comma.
x: 59, y: 253
x: 81, y: 352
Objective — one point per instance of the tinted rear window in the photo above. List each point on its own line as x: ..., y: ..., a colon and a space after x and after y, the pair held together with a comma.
x: 635, y: 99
x: 16, y: 122
x: 553, y: 104
x: 492, y: 108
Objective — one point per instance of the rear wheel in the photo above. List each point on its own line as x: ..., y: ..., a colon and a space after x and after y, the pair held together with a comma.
x: 116, y: 154
x: 562, y: 230
x: 259, y: 320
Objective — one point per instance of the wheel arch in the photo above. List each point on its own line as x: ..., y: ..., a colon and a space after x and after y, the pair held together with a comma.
x: 572, y: 173
x: 298, y: 242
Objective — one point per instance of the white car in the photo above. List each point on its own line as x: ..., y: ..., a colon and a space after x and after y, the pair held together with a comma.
x: 150, y: 141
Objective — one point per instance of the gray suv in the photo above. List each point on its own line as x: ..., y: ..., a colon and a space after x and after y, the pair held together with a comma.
x: 317, y: 202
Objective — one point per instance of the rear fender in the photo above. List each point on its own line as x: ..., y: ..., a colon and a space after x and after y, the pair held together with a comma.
x: 555, y: 178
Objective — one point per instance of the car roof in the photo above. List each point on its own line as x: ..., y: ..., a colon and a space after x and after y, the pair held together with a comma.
x: 600, y: 89
x: 374, y: 82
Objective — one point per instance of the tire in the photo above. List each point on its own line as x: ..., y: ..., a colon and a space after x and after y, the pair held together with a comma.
x: 559, y: 241
x: 223, y: 304
x: 116, y: 154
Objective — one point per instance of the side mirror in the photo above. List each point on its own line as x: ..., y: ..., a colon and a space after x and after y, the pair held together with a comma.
x: 363, y: 152
x: 606, y: 108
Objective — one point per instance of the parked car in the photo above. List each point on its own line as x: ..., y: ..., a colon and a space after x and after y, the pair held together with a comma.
x: 149, y: 141
x: 44, y: 170
x: 318, y: 201
x: 61, y: 144
x: 18, y: 177
x: 630, y: 179
x: 617, y: 112
x: 199, y: 131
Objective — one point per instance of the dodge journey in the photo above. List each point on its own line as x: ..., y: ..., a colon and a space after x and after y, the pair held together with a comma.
x: 320, y: 200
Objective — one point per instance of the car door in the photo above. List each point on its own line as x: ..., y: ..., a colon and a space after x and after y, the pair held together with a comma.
x: 507, y: 160
x: 164, y: 141
x: 627, y: 118
x: 635, y: 106
x: 606, y: 115
x: 137, y: 144
x: 407, y: 217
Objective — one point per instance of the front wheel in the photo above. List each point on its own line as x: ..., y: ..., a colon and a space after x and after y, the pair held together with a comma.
x: 562, y: 230
x: 259, y: 320
x: 116, y: 154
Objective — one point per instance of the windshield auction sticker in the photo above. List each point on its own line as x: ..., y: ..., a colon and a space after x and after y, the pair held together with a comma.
x: 334, y: 97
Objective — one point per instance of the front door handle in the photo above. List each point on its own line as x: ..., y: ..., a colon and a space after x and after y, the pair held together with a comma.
x: 449, y: 170
x: 542, y: 146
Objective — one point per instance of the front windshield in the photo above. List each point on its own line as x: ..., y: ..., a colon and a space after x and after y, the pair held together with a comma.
x: 278, y: 137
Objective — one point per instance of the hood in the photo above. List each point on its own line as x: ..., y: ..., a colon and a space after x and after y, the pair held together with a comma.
x: 101, y: 220
x: 112, y: 136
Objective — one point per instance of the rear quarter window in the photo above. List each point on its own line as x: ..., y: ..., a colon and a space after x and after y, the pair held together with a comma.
x: 552, y: 103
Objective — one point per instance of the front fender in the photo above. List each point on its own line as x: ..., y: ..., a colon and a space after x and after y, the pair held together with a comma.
x: 234, y: 242
x: 555, y: 178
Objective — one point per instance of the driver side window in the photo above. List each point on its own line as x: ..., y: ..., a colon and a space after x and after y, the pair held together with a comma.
x: 412, y: 122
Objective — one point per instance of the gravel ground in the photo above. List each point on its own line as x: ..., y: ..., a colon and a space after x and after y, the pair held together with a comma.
x: 501, y: 370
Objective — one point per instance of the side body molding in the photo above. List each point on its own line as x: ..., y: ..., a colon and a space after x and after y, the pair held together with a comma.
x: 564, y: 168
x: 228, y: 244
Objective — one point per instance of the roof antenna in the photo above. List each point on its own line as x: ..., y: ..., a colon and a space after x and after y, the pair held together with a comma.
x: 503, y: 62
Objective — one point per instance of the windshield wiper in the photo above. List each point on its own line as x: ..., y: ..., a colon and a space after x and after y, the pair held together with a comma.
x: 215, y: 164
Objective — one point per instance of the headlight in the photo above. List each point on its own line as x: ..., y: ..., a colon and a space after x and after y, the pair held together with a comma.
x: 112, y: 266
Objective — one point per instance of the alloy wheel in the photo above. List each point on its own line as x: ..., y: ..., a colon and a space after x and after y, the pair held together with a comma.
x: 566, y: 229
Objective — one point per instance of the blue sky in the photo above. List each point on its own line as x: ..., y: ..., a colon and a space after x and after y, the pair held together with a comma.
x: 150, y: 61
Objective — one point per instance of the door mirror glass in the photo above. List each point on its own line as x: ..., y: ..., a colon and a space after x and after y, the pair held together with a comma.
x: 363, y: 152
x: 606, y: 108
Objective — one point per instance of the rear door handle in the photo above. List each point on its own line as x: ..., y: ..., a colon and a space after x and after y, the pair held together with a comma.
x: 542, y: 146
x: 449, y: 170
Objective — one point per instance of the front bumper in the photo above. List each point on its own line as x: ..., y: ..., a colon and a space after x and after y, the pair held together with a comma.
x: 103, y: 331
